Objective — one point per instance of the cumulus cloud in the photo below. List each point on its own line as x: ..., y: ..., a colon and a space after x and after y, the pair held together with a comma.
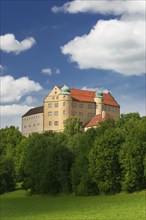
x: 11, y: 114
x: 111, y: 45
x: 103, y: 7
x: 29, y: 100
x: 47, y: 71
x: 115, y: 44
x: 10, y: 44
x: 14, y: 89
x: 95, y: 89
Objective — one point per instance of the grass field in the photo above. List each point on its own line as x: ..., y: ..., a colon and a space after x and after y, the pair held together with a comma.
x: 16, y: 205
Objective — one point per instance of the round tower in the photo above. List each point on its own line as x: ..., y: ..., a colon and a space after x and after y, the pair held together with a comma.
x: 64, y: 106
x: 99, y: 102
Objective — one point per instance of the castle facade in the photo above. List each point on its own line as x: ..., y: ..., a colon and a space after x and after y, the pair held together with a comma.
x: 63, y: 103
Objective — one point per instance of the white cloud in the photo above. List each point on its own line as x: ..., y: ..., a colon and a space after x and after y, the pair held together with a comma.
x: 29, y: 100
x: 11, y: 114
x: 47, y: 71
x: 57, y: 71
x: 13, y: 89
x: 10, y: 44
x: 115, y: 44
x: 103, y: 7
x: 95, y: 89
x: 112, y: 45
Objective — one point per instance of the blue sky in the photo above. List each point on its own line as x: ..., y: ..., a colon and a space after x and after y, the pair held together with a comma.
x: 84, y: 44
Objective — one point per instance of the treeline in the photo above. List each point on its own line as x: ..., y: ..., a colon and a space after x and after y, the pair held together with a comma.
x: 108, y: 159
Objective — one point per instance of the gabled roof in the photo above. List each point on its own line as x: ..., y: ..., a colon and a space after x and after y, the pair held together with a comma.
x: 88, y: 96
x: 97, y: 119
x: 34, y: 111
x: 82, y: 95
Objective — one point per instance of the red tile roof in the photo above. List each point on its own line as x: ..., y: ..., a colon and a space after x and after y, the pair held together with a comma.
x: 33, y: 111
x: 97, y: 119
x: 88, y: 96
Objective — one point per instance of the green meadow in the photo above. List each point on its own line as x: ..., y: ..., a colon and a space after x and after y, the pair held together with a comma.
x: 19, y: 206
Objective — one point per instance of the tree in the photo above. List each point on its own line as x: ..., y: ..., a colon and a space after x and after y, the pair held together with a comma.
x: 132, y: 156
x: 82, y: 183
x: 9, y: 138
x: 21, y: 149
x: 72, y: 126
x: 47, y: 164
x: 36, y: 164
x: 104, y: 162
x: 7, y: 174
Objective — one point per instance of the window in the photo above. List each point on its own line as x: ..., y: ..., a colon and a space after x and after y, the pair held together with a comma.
x: 56, y: 113
x: 50, y: 105
x: 90, y: 106
x: 80, y: 105
x: 29, y: 126
x: 80, y: 113
x: 64, y: 112
x: 53, y: 98
x: 33, y: 125
x: 74, y: 105
x: 64, y: 103
x: 74, y: 113
x: 57, y: 97
x: 90, y: 115
x: 24, y: 126
x: 56, y: 123
x: 50, y: 123
x: 64, y: 122
x: 38, y: 124
x: 49, y: 113
x: 56, y: 105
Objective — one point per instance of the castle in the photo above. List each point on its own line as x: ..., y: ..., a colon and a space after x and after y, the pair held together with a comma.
x: 63, y: 102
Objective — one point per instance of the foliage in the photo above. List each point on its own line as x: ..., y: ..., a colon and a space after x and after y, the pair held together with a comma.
x: 132, y: 157
x: 47, y: 164
x: 108, y: 159
x: 7, y: 175
x: 104, y: 161
x: 81, y: 179
x: 9, y: 138
x: 72, y: 126
x: 19, y: 159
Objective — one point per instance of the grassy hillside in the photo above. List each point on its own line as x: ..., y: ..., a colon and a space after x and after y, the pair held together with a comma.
x: 16, y: 205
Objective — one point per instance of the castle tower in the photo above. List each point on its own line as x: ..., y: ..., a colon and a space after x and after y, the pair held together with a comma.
x: 99, y: 102
x: 65, y: 102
